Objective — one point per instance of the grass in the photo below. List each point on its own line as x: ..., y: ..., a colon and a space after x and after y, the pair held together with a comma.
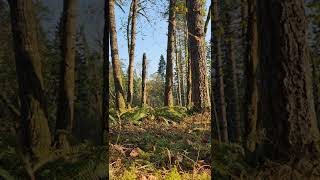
x: 170, y: 145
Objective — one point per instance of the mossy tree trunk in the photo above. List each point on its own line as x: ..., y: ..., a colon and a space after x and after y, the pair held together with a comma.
x: 117, y: 73
x: 33, y: 127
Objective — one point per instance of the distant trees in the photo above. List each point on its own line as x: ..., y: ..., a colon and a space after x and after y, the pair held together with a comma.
x: 33, y: 127
x: 162, y: 67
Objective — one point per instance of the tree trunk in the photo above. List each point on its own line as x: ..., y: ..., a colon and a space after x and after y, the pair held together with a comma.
x: 189, y: 71
x: 182, y: 86
x: 251, y: 77
x: 105, y: 80
x: 131, y: 52
x: 197, y: 53
x: 219, y: 82
x: 33, y: 128
x: 168, y: 96
x: 144, y: 81
x: 233, y: 81
x: 117, y: 75
x: 215, y: 123
x: 178, y: 70
x: 288, y: 113
x: 65, y: 113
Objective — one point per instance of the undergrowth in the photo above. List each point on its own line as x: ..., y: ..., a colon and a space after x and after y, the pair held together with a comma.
x: 163, y: 143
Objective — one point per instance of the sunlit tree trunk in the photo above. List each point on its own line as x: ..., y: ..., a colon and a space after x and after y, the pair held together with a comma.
x: 168, y: 95
x: 197, y: 53
x: 117, y: 75
x: 33, y: 127
x: 131, y: 52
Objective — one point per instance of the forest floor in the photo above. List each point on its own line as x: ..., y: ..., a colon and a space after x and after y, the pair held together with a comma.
x: 158, y: 149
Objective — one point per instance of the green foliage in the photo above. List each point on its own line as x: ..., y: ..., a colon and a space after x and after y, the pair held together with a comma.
x: 173, y: 175
x: 162, y: 67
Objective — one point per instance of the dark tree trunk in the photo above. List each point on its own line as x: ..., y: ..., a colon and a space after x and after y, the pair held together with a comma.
x: 131, y: 52
x: 234, y: 104
x: 215, y: 123
x: 33, y: 126
x: 288, y: 113
x: 168, y: 95
x: 218, y: 85
x: 200, y: 95
x: 251, y: 75
x: 117, y: 75
x: 144, y: 81
x: 105, y: 80
x: 65, y: 113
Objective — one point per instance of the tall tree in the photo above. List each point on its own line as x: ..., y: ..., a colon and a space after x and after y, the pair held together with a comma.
x: 106, y: 66
x: 117, y: 73
x: 197, y: 53
x: 234, y: 104
x: 251, y: 76
x: 65, y: 113
x: 168, y: 99
x: 144, y: 81
x: 218, y: 85
x: 288, y: 113
x: 131, y: 51
x: 33, y: 127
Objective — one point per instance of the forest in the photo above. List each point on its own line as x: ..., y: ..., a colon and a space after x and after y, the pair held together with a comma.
x: 160, y: 89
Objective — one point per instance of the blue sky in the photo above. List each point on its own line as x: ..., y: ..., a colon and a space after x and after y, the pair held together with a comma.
x: 151, y: 38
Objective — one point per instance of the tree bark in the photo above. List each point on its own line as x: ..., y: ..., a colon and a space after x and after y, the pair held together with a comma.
x: 168, y: 95
x: 200, y: 95
x: 288, y: 113
x: 144, y: 81
x: 234, y: 105
x: 105, y: 80
x: 131, y: 52
x: 33, y: 129
x: 117, y: 75
x: 219, y: 81
x: 65, y: 112
x: 189, y: 70
x: 251, y: 75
